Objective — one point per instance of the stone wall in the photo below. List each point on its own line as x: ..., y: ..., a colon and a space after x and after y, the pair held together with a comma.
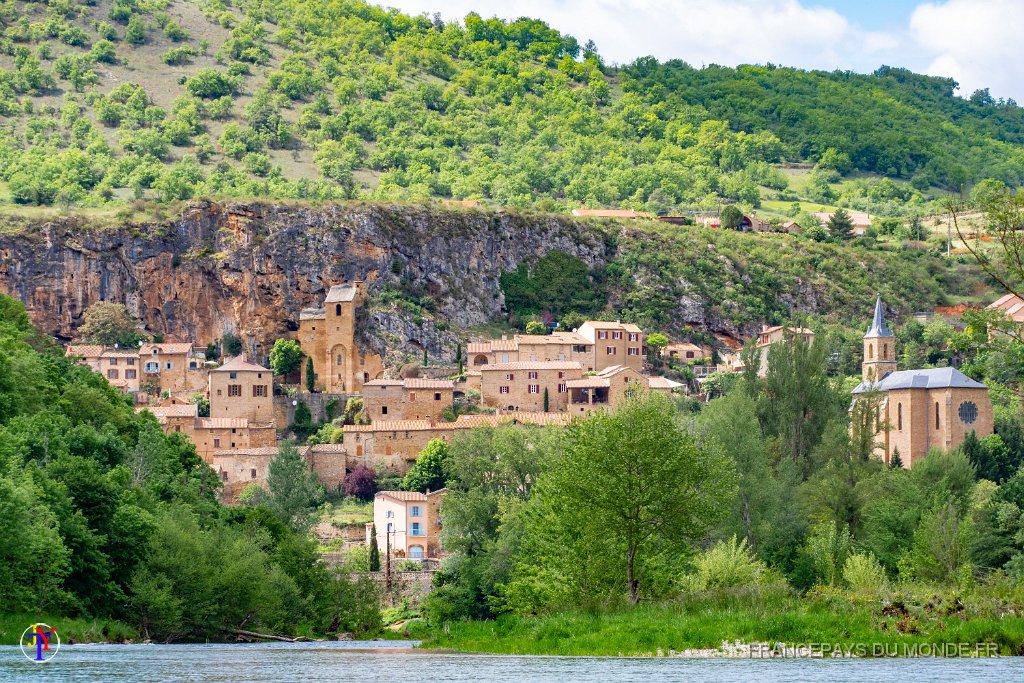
x: 284, y: 411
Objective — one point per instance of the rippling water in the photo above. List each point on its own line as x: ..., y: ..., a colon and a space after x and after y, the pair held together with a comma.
x: 396, y: 661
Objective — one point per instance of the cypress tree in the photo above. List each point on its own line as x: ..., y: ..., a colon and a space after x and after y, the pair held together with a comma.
x: 546, y: 399
x: 425, y: 362
x: 310, y: 375
x: 374, y: 550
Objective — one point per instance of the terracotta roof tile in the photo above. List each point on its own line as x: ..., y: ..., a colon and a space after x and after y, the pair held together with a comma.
x: 240, y: 364
x: 532, y: 365
x: 427, y: 383
x: 174, y: 348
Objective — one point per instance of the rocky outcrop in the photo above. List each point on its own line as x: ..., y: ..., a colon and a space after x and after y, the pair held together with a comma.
x: 250, y: 268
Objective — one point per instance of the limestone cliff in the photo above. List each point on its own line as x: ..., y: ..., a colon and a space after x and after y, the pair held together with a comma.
x: 249, y: 268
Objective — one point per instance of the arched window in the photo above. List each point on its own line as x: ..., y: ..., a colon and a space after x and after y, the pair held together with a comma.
x: 885, y: 350
x: 899, y: 416
x: 337, y: 309
x: 936, y: 414
x: 339, y: 359
x: 415, y: 552
x: 871, y: 352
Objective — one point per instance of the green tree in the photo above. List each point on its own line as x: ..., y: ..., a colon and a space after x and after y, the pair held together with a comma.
x: 631, y: 491
x: 107, y: 323
x: 293, y: 490
x: 374, y: 550
x: 429, y: 471
x: 800, y: 401
x: 536, y: 327
x: 546, y: 401
x: 731, y: 217
x: 759, y: 496
x: 840, y: 225
x: 656, y: 341
x: 285, y: 357
x: 231, y: 344
x: 135, y: 33
x: 310, y: 375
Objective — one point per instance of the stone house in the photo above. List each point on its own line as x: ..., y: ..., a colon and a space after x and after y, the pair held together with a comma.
x: 409, y: 523
x: 239, y: 467
x: 557, y: 346
x: 119, y: 366
x: 176, y: 368
x: 609, y: 387
x: 686, y: 352
x: 917, y: 410
x: 411, y: 398
x: 395, y: 444
x: 240, y: 389
x: 328, y: 336
x: 522, y: 386
x: 172, y: 367
x: 615, y: 343
x: 778, y: 334
x: 217, y: 433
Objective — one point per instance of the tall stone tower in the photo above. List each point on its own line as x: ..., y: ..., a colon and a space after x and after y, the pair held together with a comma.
x: 879, y: 347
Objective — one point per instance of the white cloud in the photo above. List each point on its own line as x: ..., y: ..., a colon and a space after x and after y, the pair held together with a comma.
x: 977, y: 42
x: 700, y: 32
x: 973, y: 41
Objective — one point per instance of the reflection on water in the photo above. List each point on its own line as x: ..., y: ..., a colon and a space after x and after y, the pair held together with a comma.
x: 397, y: 661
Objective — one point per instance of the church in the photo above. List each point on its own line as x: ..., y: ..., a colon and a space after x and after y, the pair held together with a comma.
x: 918, y: 409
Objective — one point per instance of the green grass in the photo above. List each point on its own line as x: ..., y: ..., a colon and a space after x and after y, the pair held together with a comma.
x: 69, y: 630
x: 350, y: 511
x: 706, y: 623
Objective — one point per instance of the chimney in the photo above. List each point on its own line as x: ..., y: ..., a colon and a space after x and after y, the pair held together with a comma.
x: 504, y: 337
x: 428, y: 492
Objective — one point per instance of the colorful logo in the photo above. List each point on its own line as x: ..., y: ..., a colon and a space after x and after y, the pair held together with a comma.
x: 40, y: 643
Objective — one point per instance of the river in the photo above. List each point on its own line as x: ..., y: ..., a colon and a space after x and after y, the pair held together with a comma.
x: 396, y: 661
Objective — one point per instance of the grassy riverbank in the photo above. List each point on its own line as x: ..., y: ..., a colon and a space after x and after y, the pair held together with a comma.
x: 706, y: 621
x: 69, y: 630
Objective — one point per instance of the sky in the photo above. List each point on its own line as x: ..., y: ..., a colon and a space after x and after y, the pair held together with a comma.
x: 976, y: 42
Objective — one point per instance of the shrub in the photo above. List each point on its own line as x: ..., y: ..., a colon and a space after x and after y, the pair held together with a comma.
x: 864, y: 574
x: 210, y: 83
x: 104, y: 51
x: 175, y: 32
x: 727, y: 564
x: 179, y: 55
x: 136, y: 31
x: 361, y: 483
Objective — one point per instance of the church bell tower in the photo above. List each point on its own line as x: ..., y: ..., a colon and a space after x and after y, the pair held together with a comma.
x: 879, y: 347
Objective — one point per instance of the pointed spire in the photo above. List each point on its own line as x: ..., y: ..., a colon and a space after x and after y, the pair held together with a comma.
x: 878, y: 328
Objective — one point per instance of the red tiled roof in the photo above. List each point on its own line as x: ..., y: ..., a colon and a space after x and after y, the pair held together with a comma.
x: 532, y: 365
x: 171, y: 348
x: 84, y: 350
x: 398, y: 426
x: 240, y: 364
x: 427, y: 383
x: 176, y: 410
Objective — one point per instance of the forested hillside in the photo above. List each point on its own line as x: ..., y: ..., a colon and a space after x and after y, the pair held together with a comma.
x: 103, y: 101
x: 102, y: 516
